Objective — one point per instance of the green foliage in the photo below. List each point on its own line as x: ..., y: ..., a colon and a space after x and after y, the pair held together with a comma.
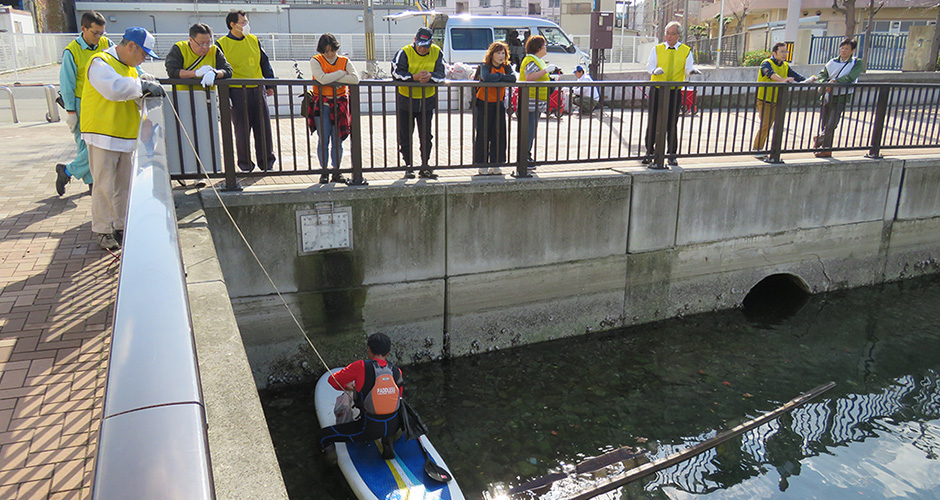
x: 938, y: 64
x: 699, y: 30
x: 754, y: 58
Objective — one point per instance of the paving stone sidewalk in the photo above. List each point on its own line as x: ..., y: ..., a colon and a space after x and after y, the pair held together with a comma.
x: 56, y: 307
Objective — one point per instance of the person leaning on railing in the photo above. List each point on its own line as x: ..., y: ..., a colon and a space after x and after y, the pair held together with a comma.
x: 489, y: 145
x: 197, y: 57
x: 842, y: 69
x: 421, y: 62
x: 772, y: 69
x: 534, y: 69
x: 329, y: 107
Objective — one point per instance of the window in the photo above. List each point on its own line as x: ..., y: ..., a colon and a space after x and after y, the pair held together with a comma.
x: 515, y: 4
x: 484, y: 3
x: 535, y: 9
x: 554, y: 4
x: 558, y: 42
x: 461, y: 7
x: 471, y: 38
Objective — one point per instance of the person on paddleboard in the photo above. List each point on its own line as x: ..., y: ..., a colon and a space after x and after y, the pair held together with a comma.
x: 377, y: 385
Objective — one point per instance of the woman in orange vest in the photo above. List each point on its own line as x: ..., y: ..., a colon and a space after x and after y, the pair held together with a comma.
x: 489, y: 145
x: 329, y: 109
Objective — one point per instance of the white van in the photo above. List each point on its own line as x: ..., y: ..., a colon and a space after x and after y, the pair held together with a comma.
x: 465, y: 38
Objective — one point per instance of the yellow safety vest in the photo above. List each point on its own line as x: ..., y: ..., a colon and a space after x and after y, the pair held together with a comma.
x: 416, y: 64
x: 672, y: 62
x: 767, y: 93
x: 119, y: 119
x: 81, y: 57
x: 245, y: 57
x: 541, y: 92
x: 190, y: 57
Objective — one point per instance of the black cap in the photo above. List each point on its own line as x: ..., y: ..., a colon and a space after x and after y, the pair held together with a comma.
x: 423, y: 37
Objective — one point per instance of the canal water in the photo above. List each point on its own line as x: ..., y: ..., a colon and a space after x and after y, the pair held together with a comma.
x: 514, y: 415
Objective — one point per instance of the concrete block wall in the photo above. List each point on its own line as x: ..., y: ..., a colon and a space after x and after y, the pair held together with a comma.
x: 465, y: 266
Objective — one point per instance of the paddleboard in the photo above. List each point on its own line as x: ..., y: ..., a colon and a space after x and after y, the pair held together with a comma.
x: 373, y: 478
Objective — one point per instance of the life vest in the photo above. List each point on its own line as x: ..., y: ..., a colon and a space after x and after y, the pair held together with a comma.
x: 672, y: 62
x: 541, y: 92
x: 490, y: 94
x: 245, y: 57
x: 416, y: 64
x: 81, y: 56
x: 119, y: 119
x: 380, y: 394
x: 767, y: 93
x: 191, y: 61
x: 329, y: 91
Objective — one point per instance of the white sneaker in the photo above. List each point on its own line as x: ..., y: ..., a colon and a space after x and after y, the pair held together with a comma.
x: 106, y: 241
x: 496, y: 171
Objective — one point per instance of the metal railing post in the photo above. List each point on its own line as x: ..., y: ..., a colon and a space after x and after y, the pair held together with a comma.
x: 780, y: 115
x: 662, y: 124
x: 522, y: 142
x: 878, y: 127
x: 12, y: 102
x: 53, y: 115
x: 355, y: 137
x: 228, y: 149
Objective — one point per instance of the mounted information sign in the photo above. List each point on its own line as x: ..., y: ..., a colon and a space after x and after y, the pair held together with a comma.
x: 324, y: 228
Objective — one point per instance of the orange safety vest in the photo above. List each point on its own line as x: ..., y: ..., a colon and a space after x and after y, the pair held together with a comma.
x: 329, y: 91
x: 492, y: 94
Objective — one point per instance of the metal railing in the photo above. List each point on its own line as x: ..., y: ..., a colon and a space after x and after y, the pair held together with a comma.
x: 153, y: 441
x: 887, y: 50
x: 713, y: 119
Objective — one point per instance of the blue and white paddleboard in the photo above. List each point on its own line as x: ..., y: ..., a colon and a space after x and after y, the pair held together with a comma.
x: 373, y: 478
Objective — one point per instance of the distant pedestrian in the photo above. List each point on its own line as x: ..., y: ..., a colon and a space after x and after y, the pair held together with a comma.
x: 534, y: 69
x: 516, y: 47
x: 110, y: 124
x: 772, y: 69
x: 71, y: 83
x: 670, y: 61
x: 489, y: 109
x: 843, y: 69
x: 422, y: 62
x: 330, y: 104
x: 250, y: 117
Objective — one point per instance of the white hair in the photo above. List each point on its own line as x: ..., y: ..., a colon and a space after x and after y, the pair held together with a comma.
x: 677, y: 24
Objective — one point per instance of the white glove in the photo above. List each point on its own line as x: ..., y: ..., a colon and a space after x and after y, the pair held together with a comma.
x: 695, y: 71
x: 201, y: 72
x: 147, y: 77
x: 71, y: 119
x: 551, y: 68
x: 208, y: 79
x: 658, y: 71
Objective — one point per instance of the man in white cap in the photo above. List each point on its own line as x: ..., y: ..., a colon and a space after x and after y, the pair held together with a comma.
x: 110, y: 120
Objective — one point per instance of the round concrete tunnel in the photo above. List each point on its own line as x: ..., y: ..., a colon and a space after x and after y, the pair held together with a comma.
x: 775, y: 298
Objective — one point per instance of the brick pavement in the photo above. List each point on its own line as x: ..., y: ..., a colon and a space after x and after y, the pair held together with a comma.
x: 56, y: 307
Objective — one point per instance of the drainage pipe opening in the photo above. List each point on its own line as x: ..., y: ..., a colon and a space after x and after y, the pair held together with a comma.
x: 775, y: 298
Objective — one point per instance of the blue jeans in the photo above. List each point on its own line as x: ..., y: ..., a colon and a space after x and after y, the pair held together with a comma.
x: 533, y: 125
x: 325, y: 128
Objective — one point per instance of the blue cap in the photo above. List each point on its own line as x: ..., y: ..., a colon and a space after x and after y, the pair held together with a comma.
x: 143, y: 38
x: 579, y: 69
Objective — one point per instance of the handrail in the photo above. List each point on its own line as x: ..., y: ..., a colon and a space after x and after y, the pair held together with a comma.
x: 53, y: 115
x: 12, y: 102
x: 153, y: 441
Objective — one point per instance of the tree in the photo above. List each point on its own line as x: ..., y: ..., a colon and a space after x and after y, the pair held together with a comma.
x: 873, y: 7
x: 739, y: 10
x: 846, y: 7
x: 935, y: 46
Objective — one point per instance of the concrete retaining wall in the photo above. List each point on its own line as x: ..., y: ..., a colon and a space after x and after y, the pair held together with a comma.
x: 464, y: 266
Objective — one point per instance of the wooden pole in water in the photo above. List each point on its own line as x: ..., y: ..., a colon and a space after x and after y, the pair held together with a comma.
x: 650, y: 468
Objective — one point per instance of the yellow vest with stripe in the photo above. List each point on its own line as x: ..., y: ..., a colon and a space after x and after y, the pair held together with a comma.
x: 541, y: 92
x: 767, y: 93
x: 672, y: 62
x: 416, y: 64
x: 81, y: 58
x: 245, y: 57
x: 190, y: 57
x: 119, y: 119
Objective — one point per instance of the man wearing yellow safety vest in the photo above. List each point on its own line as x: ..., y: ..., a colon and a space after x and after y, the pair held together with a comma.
x: 249, y: 109
x: 197, y: 57
x: 71, y: 82
x: 420, y: 62
x: 772, y: 69
x: 110, y: 123
x: 670, y: 61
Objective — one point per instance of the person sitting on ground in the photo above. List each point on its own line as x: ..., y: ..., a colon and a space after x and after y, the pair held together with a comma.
x: 587, y: 98
x: 377, y: 384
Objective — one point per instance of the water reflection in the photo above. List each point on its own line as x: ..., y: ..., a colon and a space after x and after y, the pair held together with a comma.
x: 514, y: 415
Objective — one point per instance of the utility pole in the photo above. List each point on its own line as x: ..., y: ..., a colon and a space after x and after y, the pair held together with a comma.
x: 721, y: 32
x: 368, y: 22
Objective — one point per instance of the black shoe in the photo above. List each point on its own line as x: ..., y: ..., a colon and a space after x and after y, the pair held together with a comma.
x: 647, y: 160
x: 61, y: 179
x: 119, y: 236
x: 91, y: 187
x: 324, y: 178
x: 339, y: 179
x: 409, y: 174
x: 672, y: 162
x: 388, y: 450
x: 427, y: 174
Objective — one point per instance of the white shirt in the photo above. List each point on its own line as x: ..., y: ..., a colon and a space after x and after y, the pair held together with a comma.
x: 653, y: 62
x: 587, y: 78
x: 112, y: 87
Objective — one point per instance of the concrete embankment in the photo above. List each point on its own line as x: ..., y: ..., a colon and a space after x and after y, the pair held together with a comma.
x: 468, y: 265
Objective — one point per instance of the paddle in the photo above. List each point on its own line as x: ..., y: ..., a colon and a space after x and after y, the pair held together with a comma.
x: 414, y: 428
